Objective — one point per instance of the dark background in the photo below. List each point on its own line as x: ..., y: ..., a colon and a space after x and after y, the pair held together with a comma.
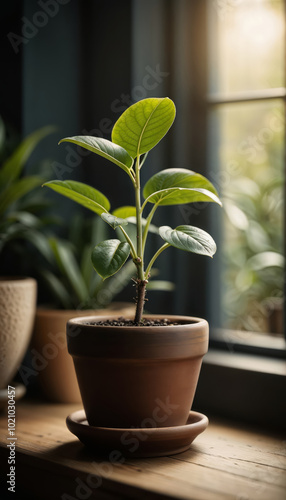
x: 75, y: 65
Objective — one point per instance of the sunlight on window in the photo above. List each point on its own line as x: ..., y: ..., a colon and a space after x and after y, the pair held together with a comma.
x: 247, y: 139
x: 248, y: 46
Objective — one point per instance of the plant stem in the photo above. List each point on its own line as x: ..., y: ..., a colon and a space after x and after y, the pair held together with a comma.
x: 141, y: 283
x: 159, y: 251
x: 148, y: 221
x: 140, y: 296
x: 132, y: 249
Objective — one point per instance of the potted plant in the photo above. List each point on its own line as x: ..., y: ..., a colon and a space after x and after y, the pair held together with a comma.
x: 72, y: 289
x: 19, y: 222
x: 127, y: 368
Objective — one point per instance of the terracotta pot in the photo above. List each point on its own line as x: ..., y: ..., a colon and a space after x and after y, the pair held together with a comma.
x: 17, y: 311
x: 50, y: 357
x: 137, y: 376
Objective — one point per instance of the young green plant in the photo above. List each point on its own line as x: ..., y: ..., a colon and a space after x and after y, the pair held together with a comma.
x: 138, y: 130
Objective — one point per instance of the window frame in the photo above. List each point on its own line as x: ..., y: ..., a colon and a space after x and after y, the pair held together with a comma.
x: 239, y: 379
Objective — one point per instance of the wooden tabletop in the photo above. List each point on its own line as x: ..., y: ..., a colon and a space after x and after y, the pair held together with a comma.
x: 227, y: 461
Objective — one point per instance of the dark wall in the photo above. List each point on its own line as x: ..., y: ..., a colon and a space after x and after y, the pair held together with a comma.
x: 11, y: 65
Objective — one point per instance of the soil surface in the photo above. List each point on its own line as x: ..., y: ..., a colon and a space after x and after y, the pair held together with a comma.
x: 129, y: 322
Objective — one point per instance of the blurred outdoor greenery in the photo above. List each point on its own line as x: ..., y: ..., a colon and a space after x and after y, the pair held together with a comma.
x: 249, y: 143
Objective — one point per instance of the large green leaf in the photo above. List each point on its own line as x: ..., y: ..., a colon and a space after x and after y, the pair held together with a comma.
x: 177, y: 177
x: 180, y: 196
x: 103, y: 147
x: 13, y: 166
x: 109, y: 256
x: 189, y: 238
x: 123, y: 212
x: 81, y: 193
x: 17, y: 189
x: 143, y: 125
x: 113, y: 221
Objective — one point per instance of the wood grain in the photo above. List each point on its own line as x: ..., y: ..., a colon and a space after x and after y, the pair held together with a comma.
x: 225, y: 462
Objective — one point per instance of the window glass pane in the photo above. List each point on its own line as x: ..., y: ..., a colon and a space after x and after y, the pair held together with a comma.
x: 246, y: 45
x: 247, y: 140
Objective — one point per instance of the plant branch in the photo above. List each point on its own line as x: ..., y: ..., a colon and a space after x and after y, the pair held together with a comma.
x: 155, y: 256
x: 132, y: 176
x: 143, y: 161
x: 133, y: 251
x: 148, y: 221
x: 140, y: 266
x: 140, y: 282
x: 140, y: 292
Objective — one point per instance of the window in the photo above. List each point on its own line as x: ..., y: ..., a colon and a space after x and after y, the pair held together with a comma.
x: 246, y: 126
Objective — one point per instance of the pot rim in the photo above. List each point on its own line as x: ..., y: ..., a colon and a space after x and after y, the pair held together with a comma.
x: 16, y: 279
x: 157, y: 342
x: 190, y: 321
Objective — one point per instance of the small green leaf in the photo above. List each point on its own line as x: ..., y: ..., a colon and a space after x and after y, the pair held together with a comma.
x: 123, y: 212
x: 143, y: 125
x: 109, y: 256
x: 112, y: 152
x: 189, y: 238
x: 180, y: 196
x: 177, y: 177
x: 113, y: 221
x: 81, y: 193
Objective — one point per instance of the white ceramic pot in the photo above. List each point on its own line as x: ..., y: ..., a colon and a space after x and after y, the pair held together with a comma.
x: 18, y: 298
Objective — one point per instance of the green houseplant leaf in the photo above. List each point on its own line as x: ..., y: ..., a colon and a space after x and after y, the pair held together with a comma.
x: 17, y: 189
x: 123, y: 212
x: 69, y: 267
x: 143, y: 125
x: 109, y: 256
x: 83, y: 194
x: 112, y: 152
x: 177, y: 177
x: 135, y: 133
x: 180, y: 196
x: 189, y: 238
x: 13, y: 166
x: 113, y: 221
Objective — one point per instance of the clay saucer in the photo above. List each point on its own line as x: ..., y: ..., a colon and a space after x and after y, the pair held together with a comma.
x: 147, y: 442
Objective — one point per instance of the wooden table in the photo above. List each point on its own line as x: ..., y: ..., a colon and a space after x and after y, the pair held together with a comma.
x: 225, y: 462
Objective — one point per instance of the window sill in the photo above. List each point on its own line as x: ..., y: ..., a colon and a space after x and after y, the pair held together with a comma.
x: 249, y: 342
x: 226, y: 461
x: 244, y: 387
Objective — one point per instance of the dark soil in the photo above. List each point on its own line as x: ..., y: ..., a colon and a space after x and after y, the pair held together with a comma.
x: 129, y: 322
